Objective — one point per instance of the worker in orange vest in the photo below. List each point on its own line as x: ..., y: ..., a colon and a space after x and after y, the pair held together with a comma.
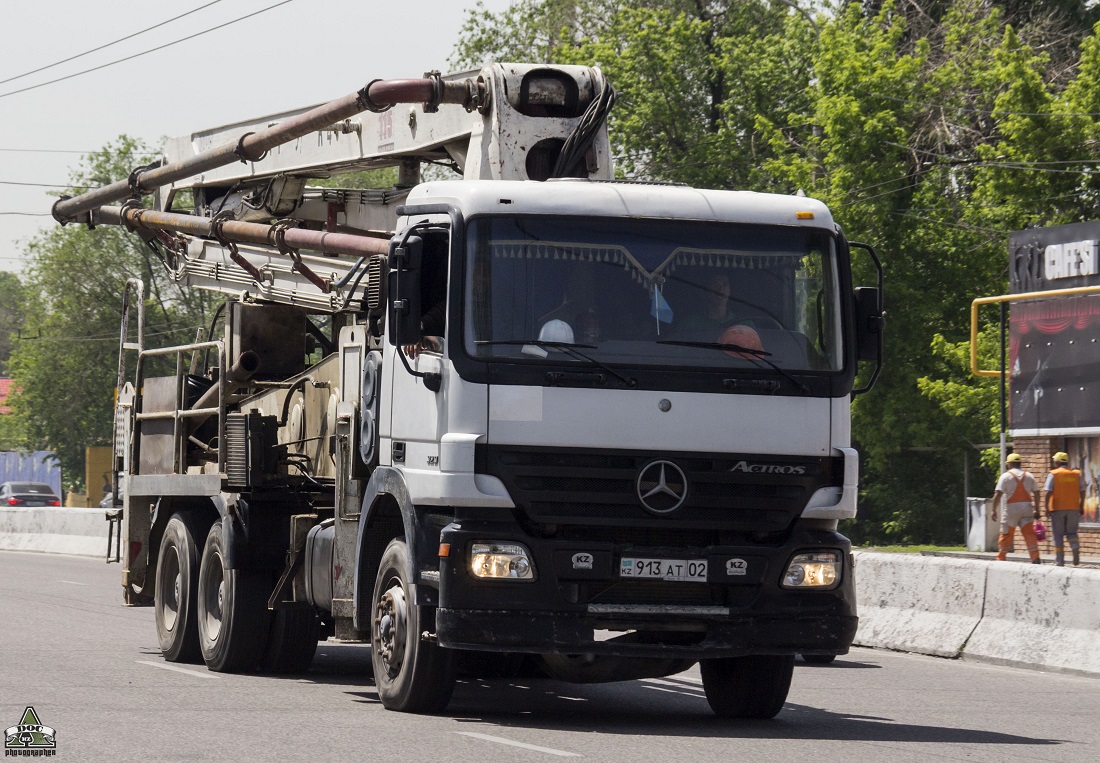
x: 1021, y: 508
x: 1065, y: 489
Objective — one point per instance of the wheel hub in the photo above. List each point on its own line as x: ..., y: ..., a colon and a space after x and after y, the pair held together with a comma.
x: 390, y: 631
x: 213, y: 593
x: 170, y: 584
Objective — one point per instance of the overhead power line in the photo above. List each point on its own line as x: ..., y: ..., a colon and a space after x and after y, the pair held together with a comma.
x: 145, y: 52
x: 46, y: 185
x: 45, y: 151
x: 109, y: 44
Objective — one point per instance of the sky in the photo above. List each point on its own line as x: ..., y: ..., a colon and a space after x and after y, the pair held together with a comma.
x: 292, y: 53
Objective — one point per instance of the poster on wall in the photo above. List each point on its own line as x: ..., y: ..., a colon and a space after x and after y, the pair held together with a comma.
x: 1054, y: 366
x: 1084, y: 454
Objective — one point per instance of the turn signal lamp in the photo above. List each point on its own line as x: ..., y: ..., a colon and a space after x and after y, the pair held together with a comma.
x: 501, y: 561
x: 820, y: 569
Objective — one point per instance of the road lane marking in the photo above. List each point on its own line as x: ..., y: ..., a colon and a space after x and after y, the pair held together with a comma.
x: 681, y: 692
x: 165, y: 666
x: 71, y: 582
x: 524, y: 745
x: 675, y: 681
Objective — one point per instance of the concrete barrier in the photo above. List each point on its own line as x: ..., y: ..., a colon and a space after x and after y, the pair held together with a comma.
x: 1039, y: 617
x: 919, y: 604
x: 57, y: 530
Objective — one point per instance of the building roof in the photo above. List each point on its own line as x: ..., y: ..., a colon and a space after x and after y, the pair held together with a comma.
x: 5, y: 390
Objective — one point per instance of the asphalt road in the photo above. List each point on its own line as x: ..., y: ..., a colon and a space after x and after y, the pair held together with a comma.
x: 91, y: 669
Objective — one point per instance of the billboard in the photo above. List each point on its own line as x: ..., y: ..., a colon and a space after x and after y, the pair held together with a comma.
x: 1059, y: 257
x: 1054, y: 344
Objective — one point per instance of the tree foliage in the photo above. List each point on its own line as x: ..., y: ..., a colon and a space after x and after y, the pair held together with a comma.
x: 932, y: 129
x: 65, y: 365
x: 12, y: 310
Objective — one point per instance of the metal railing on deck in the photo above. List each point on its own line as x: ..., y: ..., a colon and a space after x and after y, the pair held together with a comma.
x: 182, y: 412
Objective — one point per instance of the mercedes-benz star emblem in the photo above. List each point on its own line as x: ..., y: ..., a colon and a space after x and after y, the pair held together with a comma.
x: 662, y: 487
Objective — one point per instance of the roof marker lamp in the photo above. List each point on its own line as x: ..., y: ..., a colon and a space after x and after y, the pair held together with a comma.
x: 501, y: 561
x: 819, y: 569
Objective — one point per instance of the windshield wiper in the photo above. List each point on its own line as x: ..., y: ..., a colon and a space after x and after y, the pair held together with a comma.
x: 571, y: 347
x: 749, y: 353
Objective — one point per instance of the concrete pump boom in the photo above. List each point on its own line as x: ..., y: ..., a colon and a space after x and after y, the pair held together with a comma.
x: 378, y: 95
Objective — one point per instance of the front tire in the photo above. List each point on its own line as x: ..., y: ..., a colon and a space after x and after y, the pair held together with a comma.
x: 818, y: 659
x: 747, y: 687
x: 232, y: 610
x: 176, y: 592
x: 412, y: 675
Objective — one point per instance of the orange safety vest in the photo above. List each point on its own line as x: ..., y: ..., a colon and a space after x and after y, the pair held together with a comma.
x: 1066, y: 495
x: 1020, y: 494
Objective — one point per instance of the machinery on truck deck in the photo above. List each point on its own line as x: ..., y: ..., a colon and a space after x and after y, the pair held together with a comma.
x: 535, y: 411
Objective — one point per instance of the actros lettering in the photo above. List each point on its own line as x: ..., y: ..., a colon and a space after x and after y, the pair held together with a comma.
x: 747, y: 468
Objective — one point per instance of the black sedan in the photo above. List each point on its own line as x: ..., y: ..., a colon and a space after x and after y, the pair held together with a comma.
x: 27, y: 494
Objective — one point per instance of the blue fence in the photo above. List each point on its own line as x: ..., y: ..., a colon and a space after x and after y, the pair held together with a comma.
x: 33, y: 466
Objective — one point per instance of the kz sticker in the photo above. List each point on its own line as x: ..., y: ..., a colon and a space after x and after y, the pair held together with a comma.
x: 737, y: 567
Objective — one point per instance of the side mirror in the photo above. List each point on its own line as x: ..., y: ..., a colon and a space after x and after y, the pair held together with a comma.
x: 405, y: 310
x: 870, y: 323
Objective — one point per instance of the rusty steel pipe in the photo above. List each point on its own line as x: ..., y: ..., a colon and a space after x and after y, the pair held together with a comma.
x: 244, y: 233
x: 376, y: 96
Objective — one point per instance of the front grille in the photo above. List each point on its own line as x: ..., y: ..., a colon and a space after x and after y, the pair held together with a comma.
x: 599, y: 487
x: 651, y: 592
x: 642, y: 536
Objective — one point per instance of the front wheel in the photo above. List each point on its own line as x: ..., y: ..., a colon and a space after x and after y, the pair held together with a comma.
x: 747, y: 687
x: 819, y: 659
x: 232, y: 610
x: 411, y: 673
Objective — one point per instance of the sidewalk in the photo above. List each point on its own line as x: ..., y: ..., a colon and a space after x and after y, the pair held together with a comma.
x: 1087, y: 562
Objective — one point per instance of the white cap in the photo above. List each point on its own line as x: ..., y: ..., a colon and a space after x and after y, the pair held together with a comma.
x: 556, y: 331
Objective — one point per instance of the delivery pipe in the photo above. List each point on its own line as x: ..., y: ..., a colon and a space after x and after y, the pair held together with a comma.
x: 241, y: 232
x: 378, y: 95
x: 236, y: 377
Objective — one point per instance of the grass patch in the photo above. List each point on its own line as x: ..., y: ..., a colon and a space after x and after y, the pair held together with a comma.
x: 909, y: 549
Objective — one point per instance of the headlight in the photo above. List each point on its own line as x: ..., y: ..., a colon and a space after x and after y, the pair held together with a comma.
x: 501, y: 561
x: 820, y: 569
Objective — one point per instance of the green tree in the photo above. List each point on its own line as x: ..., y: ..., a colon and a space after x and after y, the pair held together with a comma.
x: 11, y: 315
x: 65, y: 367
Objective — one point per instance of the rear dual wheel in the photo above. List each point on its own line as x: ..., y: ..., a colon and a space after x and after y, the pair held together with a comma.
x: 292, y: 640
x: 177, y: 578
x: 233, y: 619
x: 204, y: 611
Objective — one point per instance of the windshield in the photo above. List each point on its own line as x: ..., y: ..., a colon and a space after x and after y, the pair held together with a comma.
x: 652, y: 293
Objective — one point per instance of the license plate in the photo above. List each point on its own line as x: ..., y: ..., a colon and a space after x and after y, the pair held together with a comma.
x: 693, y: 570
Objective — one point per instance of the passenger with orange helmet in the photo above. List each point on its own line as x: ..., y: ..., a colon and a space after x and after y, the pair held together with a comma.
x: 1065, y: 489
x: 1021, y: 508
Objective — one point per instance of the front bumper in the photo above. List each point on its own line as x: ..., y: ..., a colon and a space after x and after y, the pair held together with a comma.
x: 592, y: 610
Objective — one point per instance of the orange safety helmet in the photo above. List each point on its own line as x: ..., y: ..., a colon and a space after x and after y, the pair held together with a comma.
x: 742, y: 336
